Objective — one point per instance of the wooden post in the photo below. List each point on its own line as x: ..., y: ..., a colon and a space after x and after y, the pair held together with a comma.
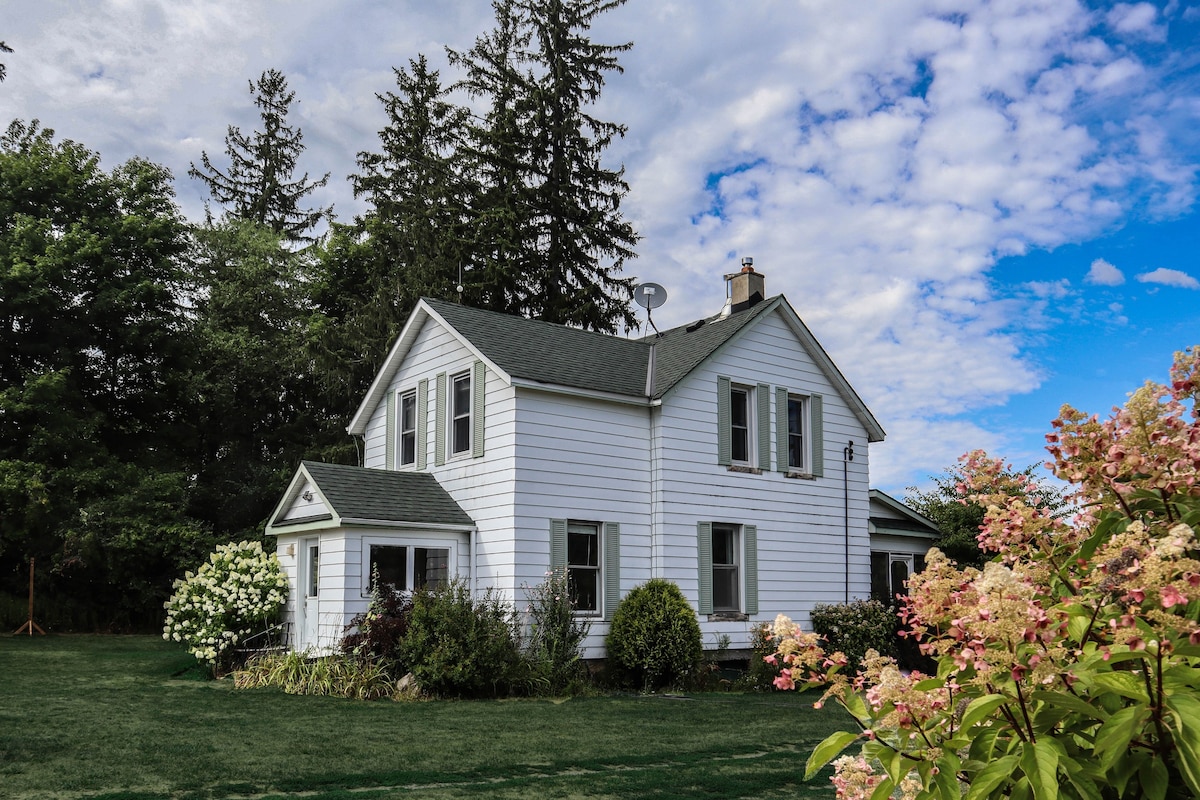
x: 30, y: 625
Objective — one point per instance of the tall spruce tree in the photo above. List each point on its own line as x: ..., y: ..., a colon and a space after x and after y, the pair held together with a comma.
x: 259, y: 185
x: 409, y: 243
x: 549, y: 209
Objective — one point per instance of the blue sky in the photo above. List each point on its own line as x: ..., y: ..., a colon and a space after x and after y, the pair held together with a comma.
x: 982, y: 209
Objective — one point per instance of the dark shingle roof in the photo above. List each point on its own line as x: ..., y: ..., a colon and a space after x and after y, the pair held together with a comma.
x: 680, y: 350
x: 360, y: 493
x: 548, y: 353
x: 555, y: 354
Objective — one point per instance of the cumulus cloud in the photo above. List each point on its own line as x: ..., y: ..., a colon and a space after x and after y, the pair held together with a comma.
x: 1103, y: 273
x: 878, y: 161
x: 1169, y: 277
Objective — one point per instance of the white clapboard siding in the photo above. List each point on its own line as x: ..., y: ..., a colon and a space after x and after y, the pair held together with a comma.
x: 581, y: 459
x: 801, y: 523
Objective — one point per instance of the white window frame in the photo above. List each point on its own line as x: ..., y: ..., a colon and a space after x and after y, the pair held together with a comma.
x: 410, y: 563
x: 735, y: 532
x: 576, y: 526
x: 403, y: 432
x: 751, y: 429
x: 805, y: 424
x: 455, y: 414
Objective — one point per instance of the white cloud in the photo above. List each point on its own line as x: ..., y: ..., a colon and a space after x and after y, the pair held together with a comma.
x: 1169, y: 277
x: 1138, y: 20
x: 876, y: 159
x: 1103, y: 273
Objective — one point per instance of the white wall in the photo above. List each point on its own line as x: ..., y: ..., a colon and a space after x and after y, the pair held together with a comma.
x: 801, y: 523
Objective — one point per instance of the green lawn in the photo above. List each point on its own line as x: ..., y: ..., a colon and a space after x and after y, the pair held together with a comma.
x: 124, y: 717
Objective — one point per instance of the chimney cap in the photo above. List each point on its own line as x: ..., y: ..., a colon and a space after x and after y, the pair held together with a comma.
x: 747, y: 264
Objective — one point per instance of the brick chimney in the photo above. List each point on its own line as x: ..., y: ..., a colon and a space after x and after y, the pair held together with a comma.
x: 746, y: 288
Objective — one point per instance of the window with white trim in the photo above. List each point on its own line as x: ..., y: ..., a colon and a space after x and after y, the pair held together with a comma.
x: 408, y: 428
x: 890, y: 573
x: 797, y: 418
x: 728, y: 569
x: 590, y: 554
x: 583, y: 566
x: 740, y: 416
x: 460, y: 413
x: 727, y: 595
x: 406, y: 566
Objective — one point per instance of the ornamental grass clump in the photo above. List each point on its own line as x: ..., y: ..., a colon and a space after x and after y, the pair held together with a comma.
x: 239, y: 591
x: 1069, y: 666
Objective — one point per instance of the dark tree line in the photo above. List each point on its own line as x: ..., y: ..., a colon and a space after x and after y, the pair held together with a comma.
x: 159, y: 380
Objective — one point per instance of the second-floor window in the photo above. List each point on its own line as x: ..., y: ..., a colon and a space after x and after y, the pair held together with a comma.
x: 739, y: 424
x: 795, y: 432
x: 408, y: 428
x: 460, y: 402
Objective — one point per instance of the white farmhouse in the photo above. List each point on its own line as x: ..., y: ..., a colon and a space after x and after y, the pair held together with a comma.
x: 729, y: 456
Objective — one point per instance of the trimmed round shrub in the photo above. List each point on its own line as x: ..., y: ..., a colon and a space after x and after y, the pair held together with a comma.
x: 856, y: 627
x: 654, y: 640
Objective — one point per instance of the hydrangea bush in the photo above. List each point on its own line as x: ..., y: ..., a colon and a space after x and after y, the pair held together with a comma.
x: 1069, y: 666
x: 240, y: 590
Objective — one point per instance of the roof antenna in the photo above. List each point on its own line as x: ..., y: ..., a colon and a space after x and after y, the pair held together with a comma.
x: 650, y: 296
x: 459, y: 287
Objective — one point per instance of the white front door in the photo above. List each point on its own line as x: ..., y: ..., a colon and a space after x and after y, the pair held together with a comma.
x: 310, y: 584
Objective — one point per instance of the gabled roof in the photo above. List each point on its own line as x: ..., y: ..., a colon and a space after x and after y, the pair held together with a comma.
x: 910, y: 523
x: 544, y: 352
x: 357, y: 495
x: 552, y: 355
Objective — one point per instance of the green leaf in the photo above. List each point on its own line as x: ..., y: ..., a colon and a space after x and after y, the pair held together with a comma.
x: 1071, y: 703
x: 992, y: 776
x: 1185, y: 718
x: 1040, y: 763
x: 883, y: 790
x: 930, y: 683
x: 947, y: 783
x: 1081, y: 777
x: 1154, y: 779
x: 828, y: 750
x: 980, y: 708
x: 1112, y: 740
x: 1125, y: 684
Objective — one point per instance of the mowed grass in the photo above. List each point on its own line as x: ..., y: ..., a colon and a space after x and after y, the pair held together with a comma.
x: 125, y: 717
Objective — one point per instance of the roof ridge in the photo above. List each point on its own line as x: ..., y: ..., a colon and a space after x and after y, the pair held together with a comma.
x: 433, y: 301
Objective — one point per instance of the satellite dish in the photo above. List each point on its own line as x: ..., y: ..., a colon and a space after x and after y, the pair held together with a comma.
x: 649, y: 295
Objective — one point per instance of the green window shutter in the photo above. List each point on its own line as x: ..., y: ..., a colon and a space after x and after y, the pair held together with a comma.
x: 389, y: 432
x: 781, y: 428
x: 724, y: 420
x: 750, y: 558
x: 439, y: 421
x: 612, y: 567
x: 478, y: 384
x: 704, y: 553
x: 763, y: 394
x: 558, y: 544
x: 816, y: 419
x: 422, y: 423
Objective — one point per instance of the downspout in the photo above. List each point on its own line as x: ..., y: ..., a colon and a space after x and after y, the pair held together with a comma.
x: 653, y: 442
x: 847, y: 457
x: 474, y: 558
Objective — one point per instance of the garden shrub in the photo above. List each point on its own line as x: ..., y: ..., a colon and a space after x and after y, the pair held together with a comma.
x: 1069, y: 666
x: 458, y: 646
x: 378, y: 633
x: 854, y: 628
x: 556, y: 634
x: 239, y: 591
x: 654, y: 640
x: 761, y: 672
